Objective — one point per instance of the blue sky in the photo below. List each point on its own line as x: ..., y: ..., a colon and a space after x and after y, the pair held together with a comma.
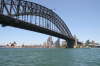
x: 81, y: 16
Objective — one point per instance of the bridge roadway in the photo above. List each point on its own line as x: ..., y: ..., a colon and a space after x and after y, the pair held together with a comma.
x: 13, y: 11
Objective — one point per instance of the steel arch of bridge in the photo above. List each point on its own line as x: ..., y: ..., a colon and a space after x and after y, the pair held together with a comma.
x: 24, y: 13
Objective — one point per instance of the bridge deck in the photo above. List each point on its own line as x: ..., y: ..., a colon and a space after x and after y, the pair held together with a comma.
x: 6, y: 20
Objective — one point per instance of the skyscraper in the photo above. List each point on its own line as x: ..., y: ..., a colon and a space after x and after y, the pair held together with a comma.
x: 57, y: 43
x: 49, y: 42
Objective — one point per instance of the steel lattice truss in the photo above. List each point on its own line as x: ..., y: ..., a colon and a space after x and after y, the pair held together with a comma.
x: 34, y: 14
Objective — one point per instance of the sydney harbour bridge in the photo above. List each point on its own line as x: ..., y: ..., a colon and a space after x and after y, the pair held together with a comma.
x: 34, y: 17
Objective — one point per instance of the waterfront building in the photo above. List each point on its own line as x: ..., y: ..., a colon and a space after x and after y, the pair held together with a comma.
x: 80, y: 45
x: 75, y: 45
x: 57, y: 43
x: 2, y: 46
x: 64, y: 44
x: 11, y: 45
x: 90, y: 44
x: 49, y: 42
x: 45, y: 45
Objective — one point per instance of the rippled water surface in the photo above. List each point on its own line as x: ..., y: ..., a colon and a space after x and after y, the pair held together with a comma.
x: 49, y: 57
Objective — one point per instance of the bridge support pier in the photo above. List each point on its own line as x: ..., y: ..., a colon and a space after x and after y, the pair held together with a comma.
x: 70, y: 43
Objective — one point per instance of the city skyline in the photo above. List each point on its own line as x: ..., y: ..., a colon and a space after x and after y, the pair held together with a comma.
x: 82, y: 18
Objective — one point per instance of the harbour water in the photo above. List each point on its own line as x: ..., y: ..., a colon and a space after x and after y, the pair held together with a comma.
x: 49, y: 57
